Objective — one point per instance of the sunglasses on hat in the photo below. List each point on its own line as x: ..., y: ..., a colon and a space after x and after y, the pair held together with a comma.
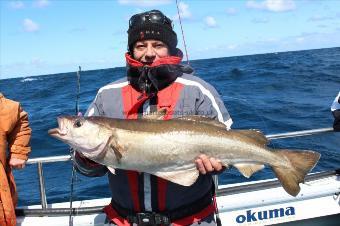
x: 153, y: 16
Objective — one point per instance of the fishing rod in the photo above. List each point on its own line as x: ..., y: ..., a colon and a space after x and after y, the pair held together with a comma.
x: 299, y: 133
x: 180, y: 22
x: 73, y: 168
x: 78, y: 90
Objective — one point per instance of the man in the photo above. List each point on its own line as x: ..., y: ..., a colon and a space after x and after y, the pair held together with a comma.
x: 15, y: 134
x: 335, y: 108
x: 155, y: 80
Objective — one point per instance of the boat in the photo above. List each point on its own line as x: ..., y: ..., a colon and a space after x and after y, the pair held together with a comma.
x: 262, y: 202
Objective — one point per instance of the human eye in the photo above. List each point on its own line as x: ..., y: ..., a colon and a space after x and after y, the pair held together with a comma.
x: 140, y: 46
x: 159, y: 45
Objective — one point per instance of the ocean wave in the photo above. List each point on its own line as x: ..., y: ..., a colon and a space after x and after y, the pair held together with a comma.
x: 29, y: 79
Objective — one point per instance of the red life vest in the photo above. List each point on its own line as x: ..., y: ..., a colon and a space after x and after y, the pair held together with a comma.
x: 133, y: 100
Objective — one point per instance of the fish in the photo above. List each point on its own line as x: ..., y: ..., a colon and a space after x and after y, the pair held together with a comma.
x: 168, y: 148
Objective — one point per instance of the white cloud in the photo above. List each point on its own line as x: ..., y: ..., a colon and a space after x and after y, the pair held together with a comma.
x: 184, y: 11
x: 144, y: 3
x: 17, y: 5
x: 232, y: 46
x: 37, y: 62
x: 30, y: 26
x: 41, y: 3
x: 320, y: 18
x: 78, y: 30
x: 210, y: 21
x: 255, y: 5
x: 221, y: 48
x: 322, y: 26
x: 272, y: 40
x: 300, y: 39
x: 272, y: 5
x: 231, y: 11
x: 260, y: 20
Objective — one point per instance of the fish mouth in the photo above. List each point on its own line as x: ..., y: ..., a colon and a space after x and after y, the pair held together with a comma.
x: 58, y: 132
x: 53, y: 131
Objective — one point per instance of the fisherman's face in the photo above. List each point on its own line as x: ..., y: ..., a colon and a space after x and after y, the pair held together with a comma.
x: 148, y: 51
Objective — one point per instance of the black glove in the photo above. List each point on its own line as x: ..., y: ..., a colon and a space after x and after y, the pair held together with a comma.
x: 336, y: 123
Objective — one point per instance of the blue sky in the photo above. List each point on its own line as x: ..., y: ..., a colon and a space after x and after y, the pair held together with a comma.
x: 40, y: 37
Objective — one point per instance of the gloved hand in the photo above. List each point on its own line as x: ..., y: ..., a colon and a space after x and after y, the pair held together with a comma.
x: 86, y: 166
x: 336, y: 123
x: 335, y: 108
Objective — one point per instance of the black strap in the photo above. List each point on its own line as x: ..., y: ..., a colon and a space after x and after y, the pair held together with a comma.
x: 148, y: 218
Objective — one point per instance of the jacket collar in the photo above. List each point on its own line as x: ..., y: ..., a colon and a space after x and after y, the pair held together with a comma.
x: 162, y: 61
x: 149, y: 79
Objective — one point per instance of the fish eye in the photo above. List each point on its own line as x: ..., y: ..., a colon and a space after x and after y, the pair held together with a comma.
x: 78, y: 123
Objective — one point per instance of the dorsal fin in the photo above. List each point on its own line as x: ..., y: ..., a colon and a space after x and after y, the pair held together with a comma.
x: 202, y: 119
x: 256, y: 135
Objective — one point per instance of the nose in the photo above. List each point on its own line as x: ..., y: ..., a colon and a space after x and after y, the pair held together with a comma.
x: 150, y: 52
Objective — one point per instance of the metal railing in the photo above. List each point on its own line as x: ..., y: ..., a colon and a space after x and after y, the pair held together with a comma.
x: 64, y: 158
x: 40, y: 161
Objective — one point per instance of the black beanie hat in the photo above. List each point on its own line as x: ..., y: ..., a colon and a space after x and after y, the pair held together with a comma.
x: 151, y: 25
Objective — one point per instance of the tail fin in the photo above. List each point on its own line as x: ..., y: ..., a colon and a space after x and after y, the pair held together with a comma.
x: 301, y: 163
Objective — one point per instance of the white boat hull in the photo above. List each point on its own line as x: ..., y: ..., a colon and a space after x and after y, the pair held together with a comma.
x: 272, y: 206
x: 252, y: 203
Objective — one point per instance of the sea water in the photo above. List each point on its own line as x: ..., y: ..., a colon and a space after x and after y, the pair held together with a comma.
x: 274, y: 93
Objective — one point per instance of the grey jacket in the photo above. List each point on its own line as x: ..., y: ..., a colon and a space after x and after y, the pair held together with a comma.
x: 188, y: 95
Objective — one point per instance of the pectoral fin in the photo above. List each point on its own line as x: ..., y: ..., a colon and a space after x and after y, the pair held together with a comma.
x: 248, y: 169
x: 117, y: 149
x: 183, y: 177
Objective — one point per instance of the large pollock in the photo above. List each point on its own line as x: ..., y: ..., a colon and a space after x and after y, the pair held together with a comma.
x: 168, y: 148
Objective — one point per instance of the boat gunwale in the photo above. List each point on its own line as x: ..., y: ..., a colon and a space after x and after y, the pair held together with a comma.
x: 230, y: 190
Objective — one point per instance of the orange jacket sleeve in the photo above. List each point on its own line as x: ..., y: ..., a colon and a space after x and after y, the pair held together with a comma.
x: 19, y: 137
